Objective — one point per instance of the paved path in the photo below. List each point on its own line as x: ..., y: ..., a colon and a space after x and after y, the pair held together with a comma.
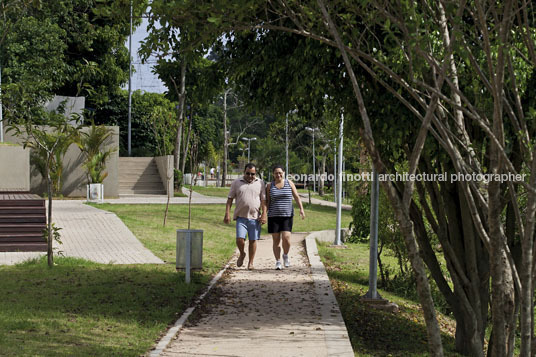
x: 265, y: 312
x: 92, y: 234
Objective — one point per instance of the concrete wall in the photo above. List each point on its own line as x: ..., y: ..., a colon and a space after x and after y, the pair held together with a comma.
x: 165, y: 169
x: 73, y: 105
x: 74, y: 176
x: 14, y: 168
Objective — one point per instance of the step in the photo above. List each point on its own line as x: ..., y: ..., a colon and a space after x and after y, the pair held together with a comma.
x: 141, y: 182
x: 21, y: 237
x: 133, y: 176
x: 135, y: 159
x: 22, y: 227
x: 23, y: 247
x: 136, y: 165
x: 136, y: 172
x: 21, y: 202
x: 36, y: 210
x: 141, y: 192
x: 10, y: 218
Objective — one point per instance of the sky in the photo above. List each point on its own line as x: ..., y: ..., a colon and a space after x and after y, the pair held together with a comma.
x: 142, y: 78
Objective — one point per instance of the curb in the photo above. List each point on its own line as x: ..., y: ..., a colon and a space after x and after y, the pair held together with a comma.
x: 336, y: 334
x: 174, y: 330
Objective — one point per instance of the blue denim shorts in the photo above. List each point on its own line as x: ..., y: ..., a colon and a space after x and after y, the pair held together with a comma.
x: 251, y: 227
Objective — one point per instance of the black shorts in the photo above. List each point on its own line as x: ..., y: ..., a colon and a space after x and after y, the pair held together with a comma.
x: 279, y: 224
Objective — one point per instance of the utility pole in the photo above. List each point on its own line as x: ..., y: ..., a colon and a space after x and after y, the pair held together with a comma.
x: 249, y: 142
x: 312, y: 130
x: 286, y: 144
x: 130, y: 85
x: 338, y: 240
x: 335, y: 170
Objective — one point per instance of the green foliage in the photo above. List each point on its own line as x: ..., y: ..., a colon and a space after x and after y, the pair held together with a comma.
x: 159, y: 121
x: 54, y: 233
x: 144, y: 107
x: 33, y: 66
x: 62, y: 47
x: 92, y: 144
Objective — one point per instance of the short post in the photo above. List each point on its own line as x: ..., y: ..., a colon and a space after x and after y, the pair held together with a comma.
x: 188, y: 257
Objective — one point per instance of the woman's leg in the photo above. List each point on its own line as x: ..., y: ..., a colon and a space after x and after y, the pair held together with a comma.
x: 276, y: 238
x: 286, y: 241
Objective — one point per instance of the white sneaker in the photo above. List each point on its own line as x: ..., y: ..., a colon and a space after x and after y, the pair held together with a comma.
x: 286, y: 261
x: 278, y: 265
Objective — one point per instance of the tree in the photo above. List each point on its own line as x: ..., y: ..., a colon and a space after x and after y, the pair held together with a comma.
x: 144, y: 107
x: 92, y: 146
x: 45, y: 140
x: 416, y: 52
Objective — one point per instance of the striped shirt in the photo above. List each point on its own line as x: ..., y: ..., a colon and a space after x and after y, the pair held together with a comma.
x: 280, y: 201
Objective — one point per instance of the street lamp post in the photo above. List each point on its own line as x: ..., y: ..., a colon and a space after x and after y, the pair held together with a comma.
x: 286, y: 144
x: 312, y: 130
x: 129, y: 140
x: 249, y: 143
x: 338, y: 240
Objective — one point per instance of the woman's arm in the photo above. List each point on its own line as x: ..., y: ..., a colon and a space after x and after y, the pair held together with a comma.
x: 297, y: 198
x: 268, y: 195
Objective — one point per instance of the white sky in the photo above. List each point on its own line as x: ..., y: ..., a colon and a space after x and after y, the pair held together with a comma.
x: 143, y: 78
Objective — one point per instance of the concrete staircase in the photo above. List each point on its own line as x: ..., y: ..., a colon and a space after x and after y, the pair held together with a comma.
x: 22, y: 221
x: 139, y: 176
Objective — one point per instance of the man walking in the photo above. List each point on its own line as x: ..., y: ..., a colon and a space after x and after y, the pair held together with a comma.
x: 250, y: 195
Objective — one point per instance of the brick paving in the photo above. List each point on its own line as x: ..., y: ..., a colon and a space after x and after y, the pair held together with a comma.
x: 92, y: 234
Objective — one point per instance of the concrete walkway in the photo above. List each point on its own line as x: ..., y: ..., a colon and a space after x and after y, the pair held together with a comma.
x: 92, y: 234
x: 265, y: 312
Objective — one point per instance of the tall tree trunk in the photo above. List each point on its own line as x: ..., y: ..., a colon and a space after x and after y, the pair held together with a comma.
x: 527, y: 292
x: 403, y: 218
x: 181, y: 96
x: 187, y: 143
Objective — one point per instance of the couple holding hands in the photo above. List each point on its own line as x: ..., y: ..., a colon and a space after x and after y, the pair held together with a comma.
x: 257, y: 203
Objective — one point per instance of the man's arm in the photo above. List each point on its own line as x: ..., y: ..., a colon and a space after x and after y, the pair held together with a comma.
x: 263, y: 218
x: 227, y: 218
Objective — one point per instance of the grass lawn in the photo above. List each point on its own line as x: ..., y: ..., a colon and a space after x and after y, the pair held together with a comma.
x: 211, y: 191
x: 374, y: 332
x: 82, y: 308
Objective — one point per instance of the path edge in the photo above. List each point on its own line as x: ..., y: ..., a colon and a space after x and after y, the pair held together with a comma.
x: 335, y: 333
x: 173, y: 331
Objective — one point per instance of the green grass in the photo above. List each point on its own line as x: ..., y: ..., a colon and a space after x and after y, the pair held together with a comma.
x: 82, y: 308
x: 374, y: 332
x: 212, y: 191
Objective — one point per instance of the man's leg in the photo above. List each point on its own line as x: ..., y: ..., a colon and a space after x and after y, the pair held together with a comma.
x: 240, y: 244
x: 254, y: 233
x: 252, y: 248
x: 241, y: 231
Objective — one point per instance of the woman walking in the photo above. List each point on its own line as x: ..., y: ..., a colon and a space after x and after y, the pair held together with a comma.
x: 279, y: 195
